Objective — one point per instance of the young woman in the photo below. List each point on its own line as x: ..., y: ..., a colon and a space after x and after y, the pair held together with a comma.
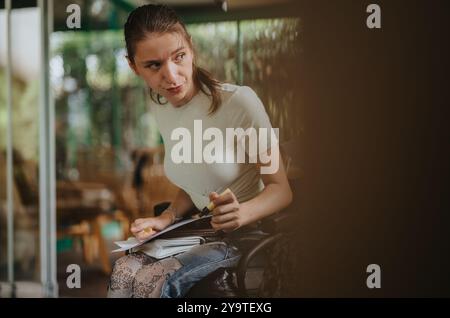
x: 161, y: 52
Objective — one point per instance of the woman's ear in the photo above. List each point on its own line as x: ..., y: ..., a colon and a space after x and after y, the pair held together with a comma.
x: 132, y: 66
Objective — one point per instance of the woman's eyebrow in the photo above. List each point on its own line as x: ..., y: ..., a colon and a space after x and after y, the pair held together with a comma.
x: 159, y: 61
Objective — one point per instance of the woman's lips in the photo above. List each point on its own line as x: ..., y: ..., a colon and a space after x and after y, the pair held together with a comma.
x: 175, y: 90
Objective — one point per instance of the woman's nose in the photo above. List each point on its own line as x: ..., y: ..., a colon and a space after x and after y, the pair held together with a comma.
x: 169, y: 73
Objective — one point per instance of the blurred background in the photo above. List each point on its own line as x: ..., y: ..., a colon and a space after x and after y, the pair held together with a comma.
x: 108, y: 153
x: 80, y: 154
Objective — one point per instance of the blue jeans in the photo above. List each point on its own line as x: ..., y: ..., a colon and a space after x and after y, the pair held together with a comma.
x: 197, y: 263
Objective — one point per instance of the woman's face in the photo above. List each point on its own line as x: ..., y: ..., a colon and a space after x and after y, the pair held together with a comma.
x: 164, y: 62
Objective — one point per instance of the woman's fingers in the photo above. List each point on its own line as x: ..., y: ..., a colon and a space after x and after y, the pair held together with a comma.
x: 225, y: 209
x: 137, y: 228
x: 226, y: 212
x: 224, y: 218
x: 141, y: 225
x: 143, y: 235
x: 137, y: 222
x: 224, y: 199
x: 213, y: 196
x: 143, y: 230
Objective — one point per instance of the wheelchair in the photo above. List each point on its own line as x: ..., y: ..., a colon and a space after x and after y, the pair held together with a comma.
x: 259, y: 270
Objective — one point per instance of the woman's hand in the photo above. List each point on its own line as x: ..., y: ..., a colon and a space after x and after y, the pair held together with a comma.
x: 143, y: 228
x: 228, y: 214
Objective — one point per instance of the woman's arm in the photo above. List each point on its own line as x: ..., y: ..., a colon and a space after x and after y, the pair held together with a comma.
x: 229, y: 214
x: 178, y: 207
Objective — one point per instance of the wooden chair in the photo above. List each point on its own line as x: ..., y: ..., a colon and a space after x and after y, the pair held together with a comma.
x: 81, y: 216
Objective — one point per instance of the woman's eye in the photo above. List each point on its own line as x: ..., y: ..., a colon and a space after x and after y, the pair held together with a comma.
x: 154, y: 66
x: 180, y: 57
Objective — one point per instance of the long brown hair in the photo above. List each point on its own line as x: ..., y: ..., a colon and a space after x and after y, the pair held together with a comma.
x: 152, y: 18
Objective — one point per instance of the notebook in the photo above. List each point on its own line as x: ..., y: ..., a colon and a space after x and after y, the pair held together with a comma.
x: 132, y: 242
x: 162, y: 248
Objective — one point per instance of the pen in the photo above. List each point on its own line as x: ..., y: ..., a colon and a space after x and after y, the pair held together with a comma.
x: 207, y: 209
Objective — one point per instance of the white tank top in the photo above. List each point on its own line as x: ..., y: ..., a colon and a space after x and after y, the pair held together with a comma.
x: 241, y: 108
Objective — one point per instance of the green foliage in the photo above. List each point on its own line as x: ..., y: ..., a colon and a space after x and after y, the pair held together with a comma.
x: 271, y: 66
x: 24, y: 115
x: 216, y: 49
